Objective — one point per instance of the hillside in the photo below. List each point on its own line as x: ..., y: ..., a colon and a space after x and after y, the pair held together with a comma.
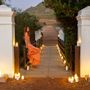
x: 41, y: 12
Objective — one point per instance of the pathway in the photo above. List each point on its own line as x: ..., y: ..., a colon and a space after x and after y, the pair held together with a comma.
x: 50, y: 35
x: 50, y: 66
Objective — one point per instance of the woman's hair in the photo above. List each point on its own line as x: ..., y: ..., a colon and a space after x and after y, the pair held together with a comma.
x: 25, y: 29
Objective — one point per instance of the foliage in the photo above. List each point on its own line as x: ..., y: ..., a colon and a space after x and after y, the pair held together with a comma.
x: 66, y: 12
x: 23, y: 19
x: 1, y: 1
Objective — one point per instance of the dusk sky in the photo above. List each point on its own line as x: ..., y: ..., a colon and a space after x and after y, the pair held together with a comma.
x: 23, y: 4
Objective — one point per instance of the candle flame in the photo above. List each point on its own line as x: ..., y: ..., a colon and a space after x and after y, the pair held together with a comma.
x: 16, y: 44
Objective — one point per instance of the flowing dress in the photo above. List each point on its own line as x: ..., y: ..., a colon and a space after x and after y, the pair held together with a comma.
x: 33, y: 52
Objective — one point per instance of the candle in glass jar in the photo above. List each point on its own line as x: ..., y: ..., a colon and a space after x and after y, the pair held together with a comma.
x: 16, y: 44
x: 66, y: 68
x: 61, y: 57
x: 71, y: 79
x: 76, y: 78
x: 1, y: 74
x: 22, y: 77
x: 64, y: 62
x: 17, y: 76
x: 27, y: 67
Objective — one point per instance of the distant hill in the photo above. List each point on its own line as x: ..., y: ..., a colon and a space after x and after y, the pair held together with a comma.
x: 41, y: 12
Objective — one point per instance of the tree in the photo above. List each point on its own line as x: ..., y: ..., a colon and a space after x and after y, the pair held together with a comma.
x: 66, y: 12
x: 1, y: 2
x: 23, y: 19
x: 4, y: 2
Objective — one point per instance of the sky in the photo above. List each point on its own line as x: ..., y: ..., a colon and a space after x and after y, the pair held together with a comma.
x: 23, y: 4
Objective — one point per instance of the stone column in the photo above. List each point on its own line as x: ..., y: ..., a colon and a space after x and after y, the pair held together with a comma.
x: 7, y: 40
x: 84, y: 40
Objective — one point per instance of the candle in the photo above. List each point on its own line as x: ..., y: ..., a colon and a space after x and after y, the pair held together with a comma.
x: 0, y: 74
x: 27, y: 67
x: 41, y: 47
x: 71, y: 79
x: 17, y: 76
x: 16, y: 44
x: 61, y: 57
x: 22, y: 77
x: 64, y: 62
x: 76, y: 78
x: 66, y: 68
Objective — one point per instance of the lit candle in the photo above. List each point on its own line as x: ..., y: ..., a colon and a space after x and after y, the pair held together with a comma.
x: 76, y: 78
x: 16, y: 44
x: 78, y: 42
x: 22, y: 77
x: 27, y: 67
x: 1, y: 74
x: 41, y: 47
x: 64, y: 62
x: 71, y: 79
x: 66, y: 68
x: 61, y: 57
x: 17, y: 76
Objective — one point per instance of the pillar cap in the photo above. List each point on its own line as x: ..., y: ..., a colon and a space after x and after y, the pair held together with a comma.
x: 84, y: 13
x: 6, y: 11
x: 5, y: 8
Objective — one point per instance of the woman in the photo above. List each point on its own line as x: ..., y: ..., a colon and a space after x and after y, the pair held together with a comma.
x: 33, y: 52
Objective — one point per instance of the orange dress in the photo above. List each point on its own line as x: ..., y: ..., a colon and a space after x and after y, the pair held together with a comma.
x: 33, y: 52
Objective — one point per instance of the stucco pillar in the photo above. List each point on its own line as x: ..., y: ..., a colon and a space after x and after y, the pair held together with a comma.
x: 84, y: 40
x: 7, y: 40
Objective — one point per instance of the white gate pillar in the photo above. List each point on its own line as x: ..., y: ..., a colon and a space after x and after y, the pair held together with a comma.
x: 84, y: 40
x: 7, y: 40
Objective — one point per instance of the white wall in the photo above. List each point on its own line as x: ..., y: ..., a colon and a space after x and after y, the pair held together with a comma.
x: 6, y: 41
x: 38, y: 35
x: 61, y: 35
